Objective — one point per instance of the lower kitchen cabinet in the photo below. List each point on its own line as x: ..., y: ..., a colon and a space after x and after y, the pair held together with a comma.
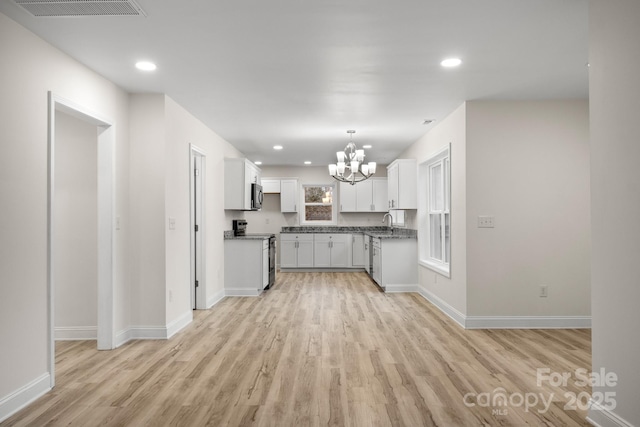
x: 367, y: 254
x: 246, y: 266
x: 394, y: 264
x: 330, y: 250
x: 357, y: 250
x: 296, y: 250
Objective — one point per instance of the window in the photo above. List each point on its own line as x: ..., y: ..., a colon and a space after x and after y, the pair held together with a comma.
x: 318, y: 204
x: 435, y: 215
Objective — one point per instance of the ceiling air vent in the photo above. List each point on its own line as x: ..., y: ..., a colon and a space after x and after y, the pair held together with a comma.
x: 81, y: 7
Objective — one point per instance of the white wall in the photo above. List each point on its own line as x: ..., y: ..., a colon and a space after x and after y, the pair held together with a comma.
x: 615, y: 200
x: 30, y: 68
x: 452, y: 130
x: 161, y: 134
x: 183, y: 129
x: 528, y: 166
x: 147, y: 201
x: 76, y: 225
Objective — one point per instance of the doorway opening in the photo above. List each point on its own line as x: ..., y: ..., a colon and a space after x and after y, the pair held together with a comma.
x: 197, y: 161
x: 104, y: 222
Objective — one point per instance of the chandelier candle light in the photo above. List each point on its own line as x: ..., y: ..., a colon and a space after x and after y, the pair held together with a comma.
x: 351, y: 158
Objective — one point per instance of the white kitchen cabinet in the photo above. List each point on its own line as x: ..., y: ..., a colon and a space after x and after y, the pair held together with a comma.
x: 365, y: 196
x: 265, y: 263
x: 367, y: 254
x: 246, y: 266
x: 239, y: 174
x: 331, y: 250
x: 289, y: 195
x: 270, y: 186
x: 348, y: 196
x: 379, y: 195
x: 340, y: 250
x: 402, y: 184
x: 376, y: 271
x: 357, y: 250
x: 394, y: 264
x: 296, y: 250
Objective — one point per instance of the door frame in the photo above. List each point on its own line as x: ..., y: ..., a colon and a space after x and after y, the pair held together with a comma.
x: 106, y: 178
x: 198, y: 296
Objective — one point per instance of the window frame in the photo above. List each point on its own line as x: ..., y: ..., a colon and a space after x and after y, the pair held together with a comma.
x: 303, y: 203
x: 426, y: 211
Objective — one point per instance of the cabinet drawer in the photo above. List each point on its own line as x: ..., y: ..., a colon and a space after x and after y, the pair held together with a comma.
x: 304, y: 237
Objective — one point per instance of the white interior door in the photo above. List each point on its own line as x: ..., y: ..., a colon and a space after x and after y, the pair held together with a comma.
x: 198, y: 247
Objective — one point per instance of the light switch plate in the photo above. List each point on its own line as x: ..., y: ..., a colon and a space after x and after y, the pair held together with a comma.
x: 172, y: 223
x: 485, y: 221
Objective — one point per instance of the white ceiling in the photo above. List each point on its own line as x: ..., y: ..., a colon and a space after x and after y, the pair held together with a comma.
x: 300, y: 73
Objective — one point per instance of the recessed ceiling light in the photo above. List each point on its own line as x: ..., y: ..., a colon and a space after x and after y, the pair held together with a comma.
x: 307, y: 162
x: 277, y: 147
x: 258, y: 162
x: 145, y: 65
x: 366, y: 147
x: 451, y: 62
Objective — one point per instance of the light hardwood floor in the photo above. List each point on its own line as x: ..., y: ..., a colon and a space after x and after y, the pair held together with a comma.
x: 317, y: 349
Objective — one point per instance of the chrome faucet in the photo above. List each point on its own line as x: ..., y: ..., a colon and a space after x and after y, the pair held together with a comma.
x: 390, y: 219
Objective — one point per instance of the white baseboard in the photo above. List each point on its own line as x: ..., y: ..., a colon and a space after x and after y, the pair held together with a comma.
x: 506, y: 322
x: 239, y: 292
x: 528, y: 322
x: 24, y: 396
x: 447, y: 309
x: 122, y: 337
x: 76, y: 333
x: 216, y: 298
x: 602, y: 417
x: 180, y: 323
x: 400, y: 288
x: 154, y: 332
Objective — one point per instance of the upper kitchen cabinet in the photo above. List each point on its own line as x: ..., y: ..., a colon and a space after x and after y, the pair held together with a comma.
x: 239, y: 174
x: 288, y: 195
x: 270, y: 186
x: 365, y: 196
x: 402, y: 179
x: 348, y: 197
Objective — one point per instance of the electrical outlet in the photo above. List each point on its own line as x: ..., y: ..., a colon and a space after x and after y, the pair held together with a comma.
x: 485, y: 221
x: 544, y: 291
x: 266, y: 220
x: 170, y: 295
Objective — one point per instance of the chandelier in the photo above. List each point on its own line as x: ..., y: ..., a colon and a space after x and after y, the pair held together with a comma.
x: 352, y: 159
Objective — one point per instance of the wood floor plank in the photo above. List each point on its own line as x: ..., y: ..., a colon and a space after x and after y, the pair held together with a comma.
x: 317, y: 349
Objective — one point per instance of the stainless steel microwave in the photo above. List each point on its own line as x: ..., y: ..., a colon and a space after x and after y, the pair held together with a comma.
x: 256, y: 197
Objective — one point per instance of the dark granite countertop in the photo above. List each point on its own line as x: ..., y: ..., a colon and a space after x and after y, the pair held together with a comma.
x: 373, y: 231
x: 397, y: 233
x: 228, y: 235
